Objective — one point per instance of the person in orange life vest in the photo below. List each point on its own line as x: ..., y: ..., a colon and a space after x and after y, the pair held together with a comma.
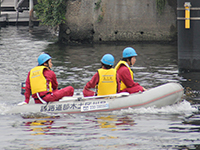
x: 42, y: 83
x: 105, y: 79
x: 126, y: 74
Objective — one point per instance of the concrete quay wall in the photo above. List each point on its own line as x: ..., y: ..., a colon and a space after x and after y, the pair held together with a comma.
x: 119, y: 20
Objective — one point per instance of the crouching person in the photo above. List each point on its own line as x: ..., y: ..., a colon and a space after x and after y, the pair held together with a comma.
x: 105, y: 80
x: 42, y: 83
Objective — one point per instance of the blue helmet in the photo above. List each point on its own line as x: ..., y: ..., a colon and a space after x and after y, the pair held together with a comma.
x: 108, y: 59
x: 129, y: 52
x: 43, y: 58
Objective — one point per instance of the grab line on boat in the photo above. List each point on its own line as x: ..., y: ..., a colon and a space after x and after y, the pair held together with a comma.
x: 94, y: 97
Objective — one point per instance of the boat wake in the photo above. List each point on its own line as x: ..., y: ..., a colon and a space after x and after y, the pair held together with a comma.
x: 4, y: 108
x: 183, y: 107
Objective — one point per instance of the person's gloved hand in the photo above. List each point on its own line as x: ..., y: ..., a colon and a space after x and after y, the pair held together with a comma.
x: 22, y: 103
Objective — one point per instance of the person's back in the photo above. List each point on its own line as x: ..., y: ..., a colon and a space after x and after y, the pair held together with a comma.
x: 105, y: 79
x: 42, y: 83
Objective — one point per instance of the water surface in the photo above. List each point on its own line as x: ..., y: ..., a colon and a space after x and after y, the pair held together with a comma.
x: 170, y: 127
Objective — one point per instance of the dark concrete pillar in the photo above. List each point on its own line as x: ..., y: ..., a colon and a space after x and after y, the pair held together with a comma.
x: 188, y: 38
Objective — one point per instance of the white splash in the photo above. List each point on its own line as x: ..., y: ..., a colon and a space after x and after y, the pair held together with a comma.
x: 183, y: 107
x: 4, y: 108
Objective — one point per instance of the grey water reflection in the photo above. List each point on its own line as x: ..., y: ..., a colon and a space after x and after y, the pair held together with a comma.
x: 192, y: 86
x: 189, y: 125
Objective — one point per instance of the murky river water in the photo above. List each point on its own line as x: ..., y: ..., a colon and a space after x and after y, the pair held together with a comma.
x: 171, y: 127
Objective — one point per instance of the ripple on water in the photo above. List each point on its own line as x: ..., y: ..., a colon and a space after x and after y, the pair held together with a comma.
x: 153, y: 128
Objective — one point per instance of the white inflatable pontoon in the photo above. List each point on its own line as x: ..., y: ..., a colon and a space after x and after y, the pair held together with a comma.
x: 166, y: 94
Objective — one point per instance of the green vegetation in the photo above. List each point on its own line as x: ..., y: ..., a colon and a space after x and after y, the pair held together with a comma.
x: 51, y: 12
x: 100, y: 18
x: 98, y: 4
x: 160, y: 5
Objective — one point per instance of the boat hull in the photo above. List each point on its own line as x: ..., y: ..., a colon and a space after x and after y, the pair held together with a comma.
x: 166, y: 94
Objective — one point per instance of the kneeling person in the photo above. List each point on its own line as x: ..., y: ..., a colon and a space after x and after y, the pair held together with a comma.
x: 106, y: 79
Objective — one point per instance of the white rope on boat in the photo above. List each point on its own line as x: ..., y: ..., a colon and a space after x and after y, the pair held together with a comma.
x: 44, y: 102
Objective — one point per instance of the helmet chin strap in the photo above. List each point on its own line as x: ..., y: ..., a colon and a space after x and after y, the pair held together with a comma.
x: 129, y: 62
x: 48, y: 66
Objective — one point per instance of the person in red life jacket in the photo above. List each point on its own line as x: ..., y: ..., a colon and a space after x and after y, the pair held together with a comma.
x: 126, y: 74
x: 106, y: 79
x: 42, y: 83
